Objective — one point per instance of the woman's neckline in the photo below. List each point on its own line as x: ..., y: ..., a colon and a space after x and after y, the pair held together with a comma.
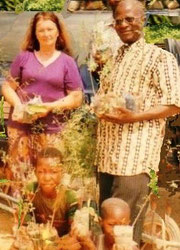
x: 49, y: 61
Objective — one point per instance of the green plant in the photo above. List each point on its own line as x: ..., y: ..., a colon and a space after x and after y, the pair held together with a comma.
x: 153, y: 190
x: 153, y: 184
x: 157, y: 33
x: 4, y: 181
x: 2, y: 132
x: 11, y: 5
x: 44, y: 5
x: 23, y: 5
x: 79, y: 143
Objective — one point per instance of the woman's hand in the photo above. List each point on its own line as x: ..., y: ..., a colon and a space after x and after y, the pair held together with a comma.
x: 18, y: 113
x: 49, y: 106
x: 39, y: 115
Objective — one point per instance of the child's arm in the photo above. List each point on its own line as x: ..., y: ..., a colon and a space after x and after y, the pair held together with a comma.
x: 135, y: 248
x: 68, y: 242
x: 87, y: 243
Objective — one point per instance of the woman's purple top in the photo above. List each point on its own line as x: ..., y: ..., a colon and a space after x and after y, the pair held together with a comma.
x: 50, y: 82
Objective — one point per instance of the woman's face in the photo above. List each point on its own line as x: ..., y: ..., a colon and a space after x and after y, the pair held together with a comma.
x: 46, y: 33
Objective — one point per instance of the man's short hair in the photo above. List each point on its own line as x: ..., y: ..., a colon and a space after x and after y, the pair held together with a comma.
x: 138, y: 4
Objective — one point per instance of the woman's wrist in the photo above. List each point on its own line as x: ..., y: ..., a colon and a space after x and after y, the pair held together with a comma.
x: 50, y: 106
x: 17, y: 103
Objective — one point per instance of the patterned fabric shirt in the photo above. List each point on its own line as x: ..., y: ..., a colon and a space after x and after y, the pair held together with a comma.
x: 152, y: 73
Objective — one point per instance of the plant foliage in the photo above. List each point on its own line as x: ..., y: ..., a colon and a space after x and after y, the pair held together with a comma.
x: 4, y: 181
x: 30, y: 5
x: 11, y: 5
x: 153, y: 183
x: 79, y: 143
x: 45, y: 5
x: 2, y: 132
x: 157, y: 33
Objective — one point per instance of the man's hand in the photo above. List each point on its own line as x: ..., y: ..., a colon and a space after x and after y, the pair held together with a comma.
x: 123, y: 115
x: 120, y: 116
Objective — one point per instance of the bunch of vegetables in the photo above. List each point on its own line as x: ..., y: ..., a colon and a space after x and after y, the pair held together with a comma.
x: 29, y: 111
x: 107, y: 103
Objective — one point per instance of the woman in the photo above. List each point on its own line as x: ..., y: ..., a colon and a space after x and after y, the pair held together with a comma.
x: 43, y: 73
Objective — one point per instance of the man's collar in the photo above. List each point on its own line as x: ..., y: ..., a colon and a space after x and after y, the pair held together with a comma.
x: 138, y: 44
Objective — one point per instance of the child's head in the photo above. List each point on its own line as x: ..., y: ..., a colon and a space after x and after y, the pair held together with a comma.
x: 114, y: 211
x: 49, y: 169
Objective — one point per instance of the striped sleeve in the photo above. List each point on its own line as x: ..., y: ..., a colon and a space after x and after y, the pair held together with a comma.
x: 167, y: 79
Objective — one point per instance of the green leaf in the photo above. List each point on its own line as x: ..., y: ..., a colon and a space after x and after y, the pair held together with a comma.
x: 20, y: 209
x: 153, y: 183
x: 4, y: 181
x: 35, y: 108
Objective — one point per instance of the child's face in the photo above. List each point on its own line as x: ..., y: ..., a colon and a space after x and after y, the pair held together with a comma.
x: 48, y: 174
x: 114, y: 217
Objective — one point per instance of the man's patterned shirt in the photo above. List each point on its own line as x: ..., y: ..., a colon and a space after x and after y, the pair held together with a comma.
x: 152, y: 73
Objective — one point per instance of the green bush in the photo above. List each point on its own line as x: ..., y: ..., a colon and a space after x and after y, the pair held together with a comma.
x: 78, y: 144
x: 44, y: 5
x: 157, y: 33
x: 30, y: 5
x: 10, y: 5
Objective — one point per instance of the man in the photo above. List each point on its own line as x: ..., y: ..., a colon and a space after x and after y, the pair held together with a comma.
x: 129, y: 142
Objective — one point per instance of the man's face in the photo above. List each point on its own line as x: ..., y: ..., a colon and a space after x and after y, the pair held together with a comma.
x: 128, y: 22
x: 48, y: 175
x: 115, y: 217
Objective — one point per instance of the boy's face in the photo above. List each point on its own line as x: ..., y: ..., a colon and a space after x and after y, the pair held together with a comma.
x: 48, y: 174
x: 114, y: 217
